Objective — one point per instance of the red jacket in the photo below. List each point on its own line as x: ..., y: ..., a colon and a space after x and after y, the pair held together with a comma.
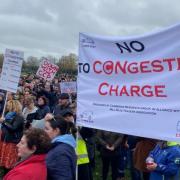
x: 33, y: 168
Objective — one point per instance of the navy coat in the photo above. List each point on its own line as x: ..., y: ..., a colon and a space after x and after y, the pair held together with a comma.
x: 61, y: 162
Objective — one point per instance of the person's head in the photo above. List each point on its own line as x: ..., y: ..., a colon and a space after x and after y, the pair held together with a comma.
x: 29, y: 100
x: 27, y: 88
x: 56, y: 89
x: 56, y: 81
x: 42, y: 100
x: 56, y: 126
x: 14, y: 106
x: 37, y: 81
x: 26, y: 93
x: 1, y: 97
x: 64, y: 99
x: 9, y: 96
x: 73, y: 107
x: 16, y: 96
x: 68, y: 115
x: 47, y: 87
x: 34, y: 141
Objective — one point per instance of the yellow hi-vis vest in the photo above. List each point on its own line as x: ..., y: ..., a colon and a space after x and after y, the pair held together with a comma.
x: 82, y: 153
x: 172, y: 143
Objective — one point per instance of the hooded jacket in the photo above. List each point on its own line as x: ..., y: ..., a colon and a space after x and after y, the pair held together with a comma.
x: 61, y: 159
x: 33, y: 168
x: 167, y: 159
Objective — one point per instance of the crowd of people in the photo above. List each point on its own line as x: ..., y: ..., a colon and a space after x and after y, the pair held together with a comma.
x: 39, y: 140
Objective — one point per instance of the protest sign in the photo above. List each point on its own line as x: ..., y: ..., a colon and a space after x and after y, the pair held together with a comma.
x: 68, y: 87
x: 131, y: 85
x: 11, y: 70
x: 47, y: 70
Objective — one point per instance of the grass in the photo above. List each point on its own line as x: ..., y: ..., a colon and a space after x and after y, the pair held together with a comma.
x: 98, y: 167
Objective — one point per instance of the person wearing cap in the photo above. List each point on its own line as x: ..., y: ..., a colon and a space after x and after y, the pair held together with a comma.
x: 63, y: 104
x: 68, y: 115
x: 165, y: 161
x: 83, y: 152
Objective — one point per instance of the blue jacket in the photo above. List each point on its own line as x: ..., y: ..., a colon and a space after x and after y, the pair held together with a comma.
x: 168, y: 163
x: 61, y: 159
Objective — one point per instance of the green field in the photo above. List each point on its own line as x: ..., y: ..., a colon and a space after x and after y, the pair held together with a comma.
x: 98, y: 166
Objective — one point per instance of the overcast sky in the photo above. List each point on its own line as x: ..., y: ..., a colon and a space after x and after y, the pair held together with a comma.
x: 51, y: 27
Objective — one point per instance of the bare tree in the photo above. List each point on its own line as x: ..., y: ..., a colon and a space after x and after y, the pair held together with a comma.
x: 68, y: 64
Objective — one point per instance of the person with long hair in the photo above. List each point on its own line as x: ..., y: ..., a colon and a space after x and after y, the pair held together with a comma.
x: 37, y: 119
x: 29, y: 109
x: 11, y: 132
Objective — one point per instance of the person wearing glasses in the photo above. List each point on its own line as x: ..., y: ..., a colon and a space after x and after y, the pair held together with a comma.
x: 61, y: 159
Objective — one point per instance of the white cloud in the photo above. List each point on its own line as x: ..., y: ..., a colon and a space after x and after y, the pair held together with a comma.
x: 46, y: 27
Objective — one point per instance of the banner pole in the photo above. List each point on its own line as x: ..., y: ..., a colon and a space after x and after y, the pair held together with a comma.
x: 4, y: 104
x: 76, y: 147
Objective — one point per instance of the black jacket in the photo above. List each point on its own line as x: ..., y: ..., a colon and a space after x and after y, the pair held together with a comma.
x: 59, y: 109
x: 42, y: 111
x: 12, y: 130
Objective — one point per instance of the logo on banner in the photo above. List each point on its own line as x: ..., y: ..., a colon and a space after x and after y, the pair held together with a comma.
x: 86, y: 116
x: 88, y: 42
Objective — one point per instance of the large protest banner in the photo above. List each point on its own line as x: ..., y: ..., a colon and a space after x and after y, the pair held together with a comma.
x: 131, y: 85
x: 47, y: 70
x: 11, y: 70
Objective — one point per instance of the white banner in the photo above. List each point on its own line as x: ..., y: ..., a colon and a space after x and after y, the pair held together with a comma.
x: 131, y: 85
x: 47, y: 70
x: 68, y: 87
x: 11, y: 70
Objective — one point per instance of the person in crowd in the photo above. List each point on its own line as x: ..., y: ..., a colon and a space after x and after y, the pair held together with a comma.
x: 61, y: 159
x: 10, y: 96
x: 164, y: 161
x: 37, y: 118
x: 27, y: 88
x: 123, y: 158
x: 63, y: 104
x: 86, y: 165
x: 68, y: 115
x: 21, y: 100
x: 43, y: 107
x: 32, y: 150
x: 85, y: 148
x: 48, y: 92
x: 56, y: 90
x: 110, y: 151
x: 11, y: 133
x: 29, y: 109
x: 142, y: 150
x: 132, y: 141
